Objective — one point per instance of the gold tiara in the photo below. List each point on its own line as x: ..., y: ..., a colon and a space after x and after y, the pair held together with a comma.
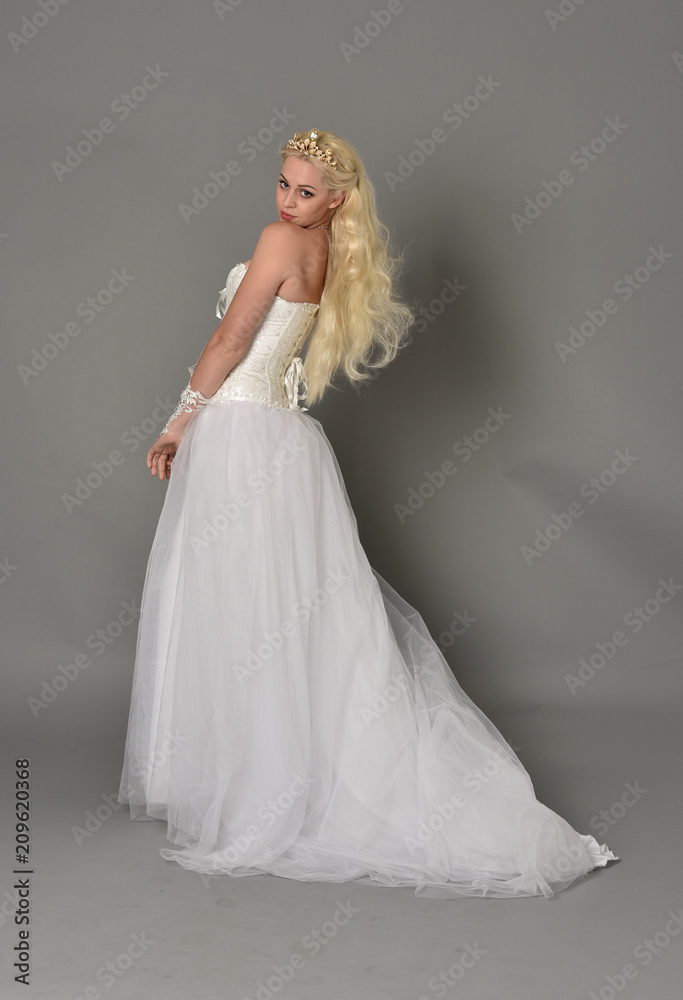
x: 310, y: 147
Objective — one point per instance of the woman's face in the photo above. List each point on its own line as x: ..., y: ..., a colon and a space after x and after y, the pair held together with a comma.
x: 301, y: 195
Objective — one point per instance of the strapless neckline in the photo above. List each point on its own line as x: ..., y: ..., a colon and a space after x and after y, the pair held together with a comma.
x: 316, y: 305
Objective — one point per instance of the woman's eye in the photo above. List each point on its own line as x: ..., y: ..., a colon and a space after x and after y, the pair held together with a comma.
x: 285, y: 184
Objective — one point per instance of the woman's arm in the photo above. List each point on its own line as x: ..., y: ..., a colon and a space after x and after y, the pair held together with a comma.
x: 232, y: 338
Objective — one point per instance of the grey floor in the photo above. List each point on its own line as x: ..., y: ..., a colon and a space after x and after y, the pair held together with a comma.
x: 190, y: 936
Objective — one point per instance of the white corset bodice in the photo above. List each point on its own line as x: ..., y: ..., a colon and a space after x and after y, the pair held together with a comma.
x: 270, y: 370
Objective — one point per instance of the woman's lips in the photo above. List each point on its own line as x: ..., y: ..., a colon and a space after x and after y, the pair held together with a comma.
x: 286, y: 215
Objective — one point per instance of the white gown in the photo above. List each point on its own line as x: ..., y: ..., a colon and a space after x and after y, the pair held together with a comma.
x: 290, y: 713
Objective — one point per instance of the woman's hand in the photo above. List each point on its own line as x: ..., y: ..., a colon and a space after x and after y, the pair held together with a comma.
x: 160, y: 456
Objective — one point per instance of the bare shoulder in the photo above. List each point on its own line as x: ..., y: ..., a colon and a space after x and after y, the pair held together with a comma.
x: 283, y: 246
x: 281, y: 239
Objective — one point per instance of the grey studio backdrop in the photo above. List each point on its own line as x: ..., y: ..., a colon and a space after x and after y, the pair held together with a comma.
x: 515, y: 473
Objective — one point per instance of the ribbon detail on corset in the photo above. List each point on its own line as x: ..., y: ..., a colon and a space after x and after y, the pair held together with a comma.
x: 293, y: 376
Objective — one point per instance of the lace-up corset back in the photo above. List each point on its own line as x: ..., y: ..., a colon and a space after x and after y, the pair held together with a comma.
x: 270, y: 371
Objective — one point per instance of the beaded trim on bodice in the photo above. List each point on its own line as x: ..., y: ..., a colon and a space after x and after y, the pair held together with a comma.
x: 270, y: 371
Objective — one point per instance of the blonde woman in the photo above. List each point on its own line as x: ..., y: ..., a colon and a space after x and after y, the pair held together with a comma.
x: 290, y: 713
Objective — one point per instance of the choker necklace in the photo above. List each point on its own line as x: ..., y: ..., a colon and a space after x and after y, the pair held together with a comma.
x: 320, y: 227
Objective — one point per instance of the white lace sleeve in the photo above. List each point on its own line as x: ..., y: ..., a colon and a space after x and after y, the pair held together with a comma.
x: 190, y: 400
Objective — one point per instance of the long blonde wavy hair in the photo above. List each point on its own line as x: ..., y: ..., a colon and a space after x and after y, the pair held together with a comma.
x: 361, y: 324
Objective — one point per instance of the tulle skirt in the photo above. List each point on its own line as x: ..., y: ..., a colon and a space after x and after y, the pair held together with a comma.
x: 290, y: 712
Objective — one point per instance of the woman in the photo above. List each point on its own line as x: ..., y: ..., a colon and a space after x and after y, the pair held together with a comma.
x: 290, y: 713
